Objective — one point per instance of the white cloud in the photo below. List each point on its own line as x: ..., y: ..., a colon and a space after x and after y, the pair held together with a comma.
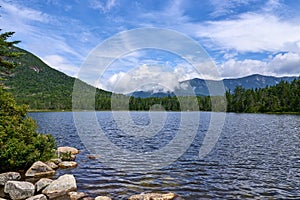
x: 148, y: 78
x: 287, y: 64
x: 222, y: 7
x: 40, y: 34
x: 61, y: 64
x: 251, y: 32
x: 24, y: 13
x: 102, y: 6
x: 143, y: 78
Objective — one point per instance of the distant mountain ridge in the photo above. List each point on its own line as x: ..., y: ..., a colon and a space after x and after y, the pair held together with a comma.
x: 199, y: 86
x: 41, y: 87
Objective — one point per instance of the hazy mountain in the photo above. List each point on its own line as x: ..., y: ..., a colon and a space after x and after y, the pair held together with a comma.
x: 199, y: 86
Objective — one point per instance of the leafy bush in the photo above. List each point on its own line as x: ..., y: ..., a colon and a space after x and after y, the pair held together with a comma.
x: 20, y: 144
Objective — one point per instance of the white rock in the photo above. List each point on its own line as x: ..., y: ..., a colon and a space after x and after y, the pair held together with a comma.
x: 153, y: 196
x: 102, y: 198
x: 61, y: 186
x: 77, y: 195
x: 67, y: 164
x: 64, y: 150
x: 42, y: 184
x: 19, y: 189
x: 9, y: 176
x: 39, y: 169
x: 38, y: 197
x: 51, y: 164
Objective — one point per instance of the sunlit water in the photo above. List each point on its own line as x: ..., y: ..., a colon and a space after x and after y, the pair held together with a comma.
x: 257, y: 156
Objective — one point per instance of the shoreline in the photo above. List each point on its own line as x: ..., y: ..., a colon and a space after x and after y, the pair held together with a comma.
x: 268, y: 113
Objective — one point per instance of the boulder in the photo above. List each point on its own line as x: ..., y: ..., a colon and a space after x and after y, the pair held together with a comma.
x: 65, y: 150
x: 38, y: 197
x: 61, y: 186
x: 42, y: 184
x: 9, y: 176
x: 39, y: 169
x: 51, y: 164
x: 19, y: 189
x: 154, y: 196
x: 76, y: 195
x: 67, y: 164
x: 102, y: 198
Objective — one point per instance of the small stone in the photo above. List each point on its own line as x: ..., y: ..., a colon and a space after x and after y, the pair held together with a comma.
x: 154, y: 196
x: 67, y: 164
x: 38, y: 197
x: 66, y: 149
x: 51, y: 164
x: 19, y: 189
x: 77, y: 195
x: 102, y: 198
x: 92, y: 157
x: 61, y: 186
x: 39, y: 169
x: 9, y: 176
x: 42, y: 184
x: 87, y: 198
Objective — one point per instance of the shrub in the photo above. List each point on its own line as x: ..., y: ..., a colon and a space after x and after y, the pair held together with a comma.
x: 20, y: 144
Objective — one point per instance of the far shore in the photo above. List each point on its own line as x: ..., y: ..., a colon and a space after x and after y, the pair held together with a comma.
x: 269, y: 113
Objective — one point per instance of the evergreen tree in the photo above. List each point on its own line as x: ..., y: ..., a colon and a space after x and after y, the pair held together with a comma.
x: 20, y: 144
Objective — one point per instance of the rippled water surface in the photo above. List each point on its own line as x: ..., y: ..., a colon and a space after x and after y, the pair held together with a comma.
x: 257, y: 156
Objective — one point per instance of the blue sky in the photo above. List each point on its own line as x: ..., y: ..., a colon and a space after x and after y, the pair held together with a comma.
x: 242, y: 37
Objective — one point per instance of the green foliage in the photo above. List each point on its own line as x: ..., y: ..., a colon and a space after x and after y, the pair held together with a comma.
x: 43, y: 88
x: 20, y: 144
x: 281, y: 98
x: 6, y: 52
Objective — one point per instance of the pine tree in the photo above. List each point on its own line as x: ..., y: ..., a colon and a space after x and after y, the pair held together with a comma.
x: 20, y: 144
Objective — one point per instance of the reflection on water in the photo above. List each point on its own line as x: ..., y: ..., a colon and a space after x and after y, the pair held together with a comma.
x: 257, y: 156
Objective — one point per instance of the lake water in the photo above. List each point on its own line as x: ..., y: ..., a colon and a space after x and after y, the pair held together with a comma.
x: 257, y: 156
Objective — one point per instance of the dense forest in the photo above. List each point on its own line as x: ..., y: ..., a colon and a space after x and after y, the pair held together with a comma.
x: 281, y: 98
x: 39, y: 86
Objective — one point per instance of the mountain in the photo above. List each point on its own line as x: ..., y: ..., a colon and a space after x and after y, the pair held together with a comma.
x: 41, y: 87
x: 199, y: 86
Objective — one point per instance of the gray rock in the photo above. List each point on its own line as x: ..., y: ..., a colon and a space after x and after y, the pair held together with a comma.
x: 38, y: 197
x: 39, y: 169
x: 42, y: 184
x: 9, y: 176
x: 61, y: 186
x: 19, y: 189
x: 65, y: 150
x: 51, y: 164
x: 102, y: 198
x: 76, y: 195
x: 153, y: 196
x: 67, y: 164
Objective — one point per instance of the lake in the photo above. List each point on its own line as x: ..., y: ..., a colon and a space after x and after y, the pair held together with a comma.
x: 256, y: 155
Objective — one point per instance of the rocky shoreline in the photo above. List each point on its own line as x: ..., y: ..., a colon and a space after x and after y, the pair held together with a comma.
x: 62, y: 188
